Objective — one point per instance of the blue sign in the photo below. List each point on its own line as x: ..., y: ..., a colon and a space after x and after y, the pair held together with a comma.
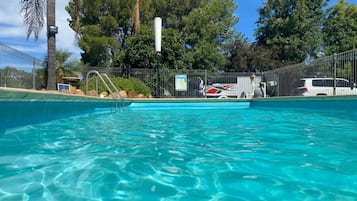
x: 181, y: 82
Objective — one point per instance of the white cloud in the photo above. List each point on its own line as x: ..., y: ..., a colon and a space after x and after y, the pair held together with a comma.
x: 12, y: 31
x: 10, y: 13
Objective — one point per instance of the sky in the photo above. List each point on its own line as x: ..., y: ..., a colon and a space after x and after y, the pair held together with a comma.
x: 13, y: 30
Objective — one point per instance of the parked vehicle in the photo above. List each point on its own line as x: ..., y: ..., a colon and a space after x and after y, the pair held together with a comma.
x: 244, y: 87
x: 221, y: 90
x: 325, y: 87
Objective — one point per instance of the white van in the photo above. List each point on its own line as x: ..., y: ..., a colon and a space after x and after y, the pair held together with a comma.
x: 324, y: 87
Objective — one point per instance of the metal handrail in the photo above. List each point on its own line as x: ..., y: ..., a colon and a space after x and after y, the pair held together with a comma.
x: 106, y: 85
x: 116, y: 89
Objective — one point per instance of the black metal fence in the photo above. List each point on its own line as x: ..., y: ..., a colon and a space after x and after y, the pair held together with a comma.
x: 191, y: 84
x: 339, y: 67
x: 19, y: 70
x: 168, y: 83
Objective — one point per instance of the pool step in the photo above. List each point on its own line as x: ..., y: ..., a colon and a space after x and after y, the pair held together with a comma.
x: 188, y: 105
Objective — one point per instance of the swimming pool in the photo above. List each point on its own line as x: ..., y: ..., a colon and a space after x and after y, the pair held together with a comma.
x: 192, y: 151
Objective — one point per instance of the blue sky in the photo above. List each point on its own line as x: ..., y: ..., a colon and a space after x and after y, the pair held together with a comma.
x: 248, y: 15
x: 13, y: 34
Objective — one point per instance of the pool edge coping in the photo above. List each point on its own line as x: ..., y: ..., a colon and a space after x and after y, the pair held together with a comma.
x: 36, y: 95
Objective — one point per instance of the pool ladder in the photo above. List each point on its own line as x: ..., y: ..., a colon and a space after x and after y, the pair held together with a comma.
x: 105, y: 78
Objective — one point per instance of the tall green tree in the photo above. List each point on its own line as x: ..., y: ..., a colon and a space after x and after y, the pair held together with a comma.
x: 340, y: 28
x: 291, y: 29
x: 238, y: 54
x: 33, y: 12
x: 141, y: 54
x: 172, y: 12
x: 206, y: 30
x: 244, y: 56
x: 102, y: 27
x: 199, y: 30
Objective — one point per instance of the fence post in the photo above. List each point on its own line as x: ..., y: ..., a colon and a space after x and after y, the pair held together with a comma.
x: 33, y: 74
x: 334, y: 73
x: 278, y: 82
x: 205, y: 84
x: 158, y: 75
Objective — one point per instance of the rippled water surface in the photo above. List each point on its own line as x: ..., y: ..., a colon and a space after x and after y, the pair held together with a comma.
x: 183, y: 154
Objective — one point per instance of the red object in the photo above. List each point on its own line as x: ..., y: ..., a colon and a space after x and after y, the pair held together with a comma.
x: 213, y: 90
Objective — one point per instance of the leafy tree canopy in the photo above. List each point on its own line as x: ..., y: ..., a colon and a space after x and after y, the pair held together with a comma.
x: 244, y: 56
x: 291, y: 29
x: 193, y: 36
x: 201, y: 34
x: 340, y: 28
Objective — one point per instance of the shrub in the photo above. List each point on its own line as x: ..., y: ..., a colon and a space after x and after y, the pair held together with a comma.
x: 123, y: 84
x: 132, y: 84
x: 140, y: 87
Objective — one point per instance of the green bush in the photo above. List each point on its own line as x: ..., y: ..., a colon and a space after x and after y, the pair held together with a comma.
x: 123, y: 84
x: 133, y: 84
x: 91, y: 85
x: 140, y: 87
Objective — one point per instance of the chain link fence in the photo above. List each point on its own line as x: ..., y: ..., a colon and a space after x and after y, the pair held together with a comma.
x: 19, y: 70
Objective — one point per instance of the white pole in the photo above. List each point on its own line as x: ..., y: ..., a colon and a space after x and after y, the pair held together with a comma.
x: 158, y: 29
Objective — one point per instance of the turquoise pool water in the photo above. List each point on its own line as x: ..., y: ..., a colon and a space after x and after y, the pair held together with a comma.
x: 236, y: 152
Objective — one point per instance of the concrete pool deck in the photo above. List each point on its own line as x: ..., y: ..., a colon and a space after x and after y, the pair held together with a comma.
x: 30, y: 94
x: 44, y: 95
x: 8, y: 94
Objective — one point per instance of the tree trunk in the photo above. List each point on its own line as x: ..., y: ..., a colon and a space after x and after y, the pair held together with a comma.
x: 137, y: 16
x: 51, y: 44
